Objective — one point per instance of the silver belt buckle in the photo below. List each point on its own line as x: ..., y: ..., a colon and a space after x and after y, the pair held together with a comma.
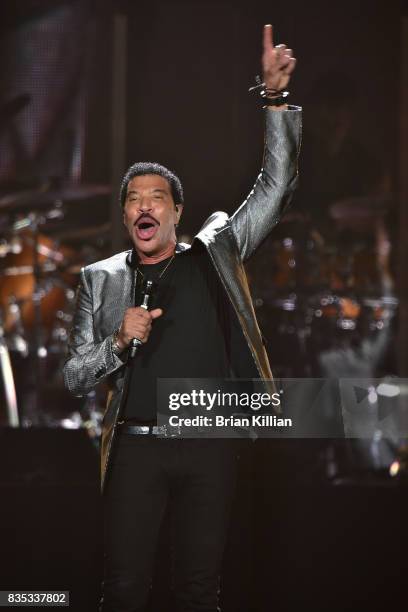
x: 171, y: 431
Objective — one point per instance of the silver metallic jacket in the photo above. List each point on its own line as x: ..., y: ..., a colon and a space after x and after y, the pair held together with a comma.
x: 106, y: 287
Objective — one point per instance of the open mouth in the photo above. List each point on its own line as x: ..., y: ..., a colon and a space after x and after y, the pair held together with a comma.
x: 146, y: 229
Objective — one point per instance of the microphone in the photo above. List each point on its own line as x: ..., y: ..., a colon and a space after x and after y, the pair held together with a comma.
x: 149, y: 288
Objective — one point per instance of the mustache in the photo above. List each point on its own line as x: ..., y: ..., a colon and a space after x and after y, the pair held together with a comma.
x: 145, y: 217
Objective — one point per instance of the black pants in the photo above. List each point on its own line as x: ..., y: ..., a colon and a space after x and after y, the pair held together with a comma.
x: 197, y: 478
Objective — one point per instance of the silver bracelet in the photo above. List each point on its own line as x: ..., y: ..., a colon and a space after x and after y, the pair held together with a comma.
x: 116, y: 350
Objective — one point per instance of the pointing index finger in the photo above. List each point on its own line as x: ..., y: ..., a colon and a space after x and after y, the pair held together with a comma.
x: 268, y: 37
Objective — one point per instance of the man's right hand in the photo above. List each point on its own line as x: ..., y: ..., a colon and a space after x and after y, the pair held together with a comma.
x: 137, y: 323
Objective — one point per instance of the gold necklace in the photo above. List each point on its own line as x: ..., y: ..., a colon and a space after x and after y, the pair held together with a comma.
x: 161, y: 273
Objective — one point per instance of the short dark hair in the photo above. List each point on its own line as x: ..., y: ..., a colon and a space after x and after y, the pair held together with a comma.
x: 143, y: 168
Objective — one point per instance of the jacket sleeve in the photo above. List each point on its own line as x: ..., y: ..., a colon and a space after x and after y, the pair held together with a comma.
x: 275, y: 185
x: 88, y: 362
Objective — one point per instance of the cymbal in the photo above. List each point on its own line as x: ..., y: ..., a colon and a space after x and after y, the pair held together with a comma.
x: 36, y: 199
x: 361, y: 208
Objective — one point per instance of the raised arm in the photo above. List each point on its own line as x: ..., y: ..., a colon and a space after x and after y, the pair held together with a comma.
x: 275, y: 185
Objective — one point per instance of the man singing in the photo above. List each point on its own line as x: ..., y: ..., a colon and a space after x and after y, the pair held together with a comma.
x: 202, y: 325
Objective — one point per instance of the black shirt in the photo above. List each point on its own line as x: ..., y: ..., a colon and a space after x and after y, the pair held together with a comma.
x: 197, y: 336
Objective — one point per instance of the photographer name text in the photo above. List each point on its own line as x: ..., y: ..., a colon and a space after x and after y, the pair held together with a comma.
x: 264, y: 420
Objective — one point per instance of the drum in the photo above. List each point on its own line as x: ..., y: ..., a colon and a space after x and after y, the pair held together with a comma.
x: 367, y: 278
x: 42, y: 399
x: 351, y: 268
x: 289, y: 261
x: 17, y: 284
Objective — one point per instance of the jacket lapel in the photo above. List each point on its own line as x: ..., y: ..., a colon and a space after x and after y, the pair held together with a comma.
x: 115, y: 294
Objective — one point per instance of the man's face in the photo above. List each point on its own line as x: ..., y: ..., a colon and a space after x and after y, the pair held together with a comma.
x: 150, y: 214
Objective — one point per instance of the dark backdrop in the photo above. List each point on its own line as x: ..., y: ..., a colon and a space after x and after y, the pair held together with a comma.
x: 191, y: 63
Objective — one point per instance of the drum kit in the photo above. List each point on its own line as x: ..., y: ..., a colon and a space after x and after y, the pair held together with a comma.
x: 39, y: 267
x: 323, y: 289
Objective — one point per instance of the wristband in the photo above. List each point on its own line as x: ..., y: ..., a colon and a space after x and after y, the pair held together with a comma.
x: 278, y: 101
x: 270, y: 97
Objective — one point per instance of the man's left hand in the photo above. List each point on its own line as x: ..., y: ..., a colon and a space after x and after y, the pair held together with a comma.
x: 277, y: 62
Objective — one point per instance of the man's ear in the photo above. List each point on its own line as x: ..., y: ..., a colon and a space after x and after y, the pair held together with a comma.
x: 179, y: 210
